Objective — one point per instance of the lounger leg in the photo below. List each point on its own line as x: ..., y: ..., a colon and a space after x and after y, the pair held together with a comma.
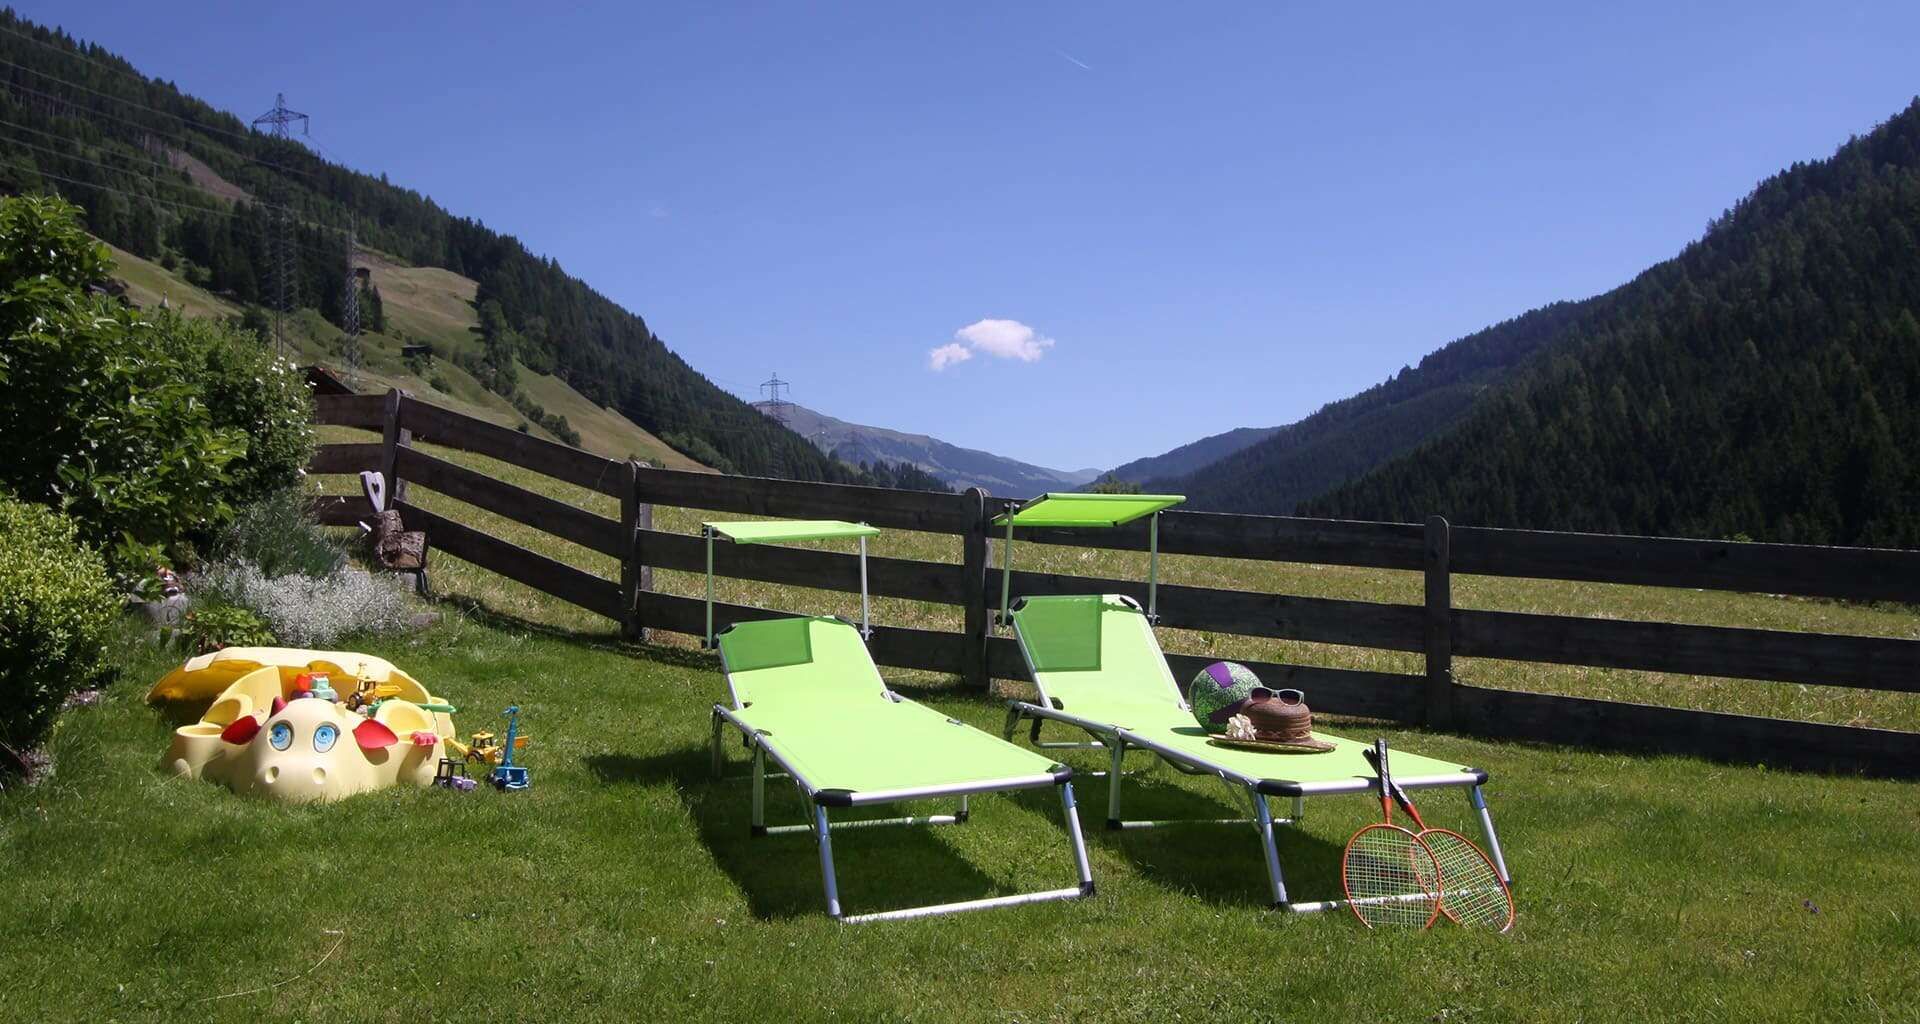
x: 1079, y: 841
x: 961, y: 815
x: 759, y: 790
x: 1299, y: 808
x: 1013, y: 724
x: 826, y: 861
x: 719, y: 759
x: 1113, y: 782
x: 1263, y: 819
x: 1479, y: 803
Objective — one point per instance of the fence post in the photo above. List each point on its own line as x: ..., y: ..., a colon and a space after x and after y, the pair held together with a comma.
x: 1439, y: 638
x: 635, y: 575
x: 973, y: 591
x: 393, y: 438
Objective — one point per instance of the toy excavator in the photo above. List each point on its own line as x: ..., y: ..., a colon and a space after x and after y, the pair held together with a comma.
x: 488, y: 750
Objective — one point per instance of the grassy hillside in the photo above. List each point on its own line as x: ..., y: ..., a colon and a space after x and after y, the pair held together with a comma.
x: 423, y: 304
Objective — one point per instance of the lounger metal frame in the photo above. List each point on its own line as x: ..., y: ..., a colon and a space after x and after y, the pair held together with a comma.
x: 820, y: 799
x: 1117, y: 739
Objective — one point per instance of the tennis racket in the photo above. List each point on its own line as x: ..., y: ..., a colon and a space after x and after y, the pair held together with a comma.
x: 1390, y: 876
x: 1474, y: 895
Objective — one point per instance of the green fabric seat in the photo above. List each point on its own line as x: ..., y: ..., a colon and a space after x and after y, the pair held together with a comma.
x: 809, y: 688
x: 1097, y: 657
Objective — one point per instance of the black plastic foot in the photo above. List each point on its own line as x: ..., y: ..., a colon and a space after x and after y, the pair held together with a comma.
x: 756, y: 830
x: 960, y: 817
x: 1086, y: 888
x: 1114, y: 825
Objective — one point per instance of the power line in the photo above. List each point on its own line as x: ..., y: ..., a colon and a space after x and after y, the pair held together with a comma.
x: 184, y: 120
x: 156, y: 199
x: 74, y: 53
x: 57, y: 137
x: 149, y: 129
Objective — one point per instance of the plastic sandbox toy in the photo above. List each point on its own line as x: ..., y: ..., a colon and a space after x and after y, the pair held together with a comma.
x: 279, y: 727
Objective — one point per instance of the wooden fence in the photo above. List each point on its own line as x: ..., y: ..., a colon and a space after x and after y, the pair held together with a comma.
x: 1434, y: 628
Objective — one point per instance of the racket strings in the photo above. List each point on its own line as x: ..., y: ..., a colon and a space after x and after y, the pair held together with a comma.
x: 1474, y: 896
x: 1391, y: 877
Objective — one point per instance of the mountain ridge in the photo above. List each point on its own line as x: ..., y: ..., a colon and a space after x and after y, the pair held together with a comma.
x: 956, y: 465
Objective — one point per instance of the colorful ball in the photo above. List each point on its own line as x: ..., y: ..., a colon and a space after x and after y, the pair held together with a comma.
x: 1218, y: 691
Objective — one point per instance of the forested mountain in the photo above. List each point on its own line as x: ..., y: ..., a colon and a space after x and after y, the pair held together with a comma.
x: 957, y: 466
x: 1192, y: 455
x: 168, y: 177
x: 1349, y: 437
x: 1765, y: 382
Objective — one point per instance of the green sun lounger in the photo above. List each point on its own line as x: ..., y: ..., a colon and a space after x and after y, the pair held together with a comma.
x: 805, y: 693
x: 1099, y: 668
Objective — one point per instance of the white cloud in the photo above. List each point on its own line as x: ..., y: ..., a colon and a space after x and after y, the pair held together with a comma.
x: 947, y: 355
x: 1002, y: 339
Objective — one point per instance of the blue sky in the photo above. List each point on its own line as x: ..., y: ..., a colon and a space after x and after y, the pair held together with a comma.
x: 1175, y: 218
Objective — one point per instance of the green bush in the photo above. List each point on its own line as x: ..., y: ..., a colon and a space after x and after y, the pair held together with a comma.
x: 56, y: 610
x: 276, y: 534
x: 249, y: 389
x: 147, y: 431
x: 213, y: 626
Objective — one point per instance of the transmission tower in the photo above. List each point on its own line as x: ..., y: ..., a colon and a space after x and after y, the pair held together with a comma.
x: 776, y: 406
x: 278, y: 123
x: 350, y: 308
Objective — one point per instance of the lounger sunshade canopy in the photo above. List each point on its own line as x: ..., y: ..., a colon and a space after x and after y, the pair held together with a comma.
x: 788, y: 530
x: 1096, y: 510
x: 1087, y: 509
x: 779, y: 530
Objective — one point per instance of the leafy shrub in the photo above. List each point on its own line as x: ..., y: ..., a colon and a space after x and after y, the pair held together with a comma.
x: 213, y: 626
x: 277, y: 535
x: 306, y: 611
x: 56, y: 609
x: 144, y: 430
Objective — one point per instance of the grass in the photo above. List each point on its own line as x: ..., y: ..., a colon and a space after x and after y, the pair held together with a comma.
x: 623, y: 885
x: 1838, y: 705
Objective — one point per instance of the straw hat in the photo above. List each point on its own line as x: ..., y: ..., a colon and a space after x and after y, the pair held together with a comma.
x: 1274, y: 720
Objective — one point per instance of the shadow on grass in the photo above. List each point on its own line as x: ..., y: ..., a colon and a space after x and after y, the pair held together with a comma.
x: 877, y: 868
x: 1221, y: 864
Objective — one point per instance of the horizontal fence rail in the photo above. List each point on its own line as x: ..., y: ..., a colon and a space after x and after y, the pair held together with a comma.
x: 1434, y: 628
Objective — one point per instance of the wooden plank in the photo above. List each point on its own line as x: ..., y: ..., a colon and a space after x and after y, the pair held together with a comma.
x: 1861, y: 574
x: 1820, y: 659
x: 1335, y: 691
x: 443, y: 426
x: 341, y: 510
x: 895, y: 646
x: 925, y: 511
x: 974, y: 593
x: 1583, y: 722
x: 345, y: 458
x: 1439, y: 626
x: 394, y: 438
x: 568, y: 522
x: 628, y: 554
x: 367, y: 411
x: 1393, y: 627
x: 1260, y: 538
x: 565, y: 582
x: 938, y: 582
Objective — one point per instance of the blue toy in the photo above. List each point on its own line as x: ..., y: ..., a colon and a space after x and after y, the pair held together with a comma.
x: 507, y: 775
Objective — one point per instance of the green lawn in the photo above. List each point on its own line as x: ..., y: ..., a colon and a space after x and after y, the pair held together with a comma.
x: 624, y: 886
